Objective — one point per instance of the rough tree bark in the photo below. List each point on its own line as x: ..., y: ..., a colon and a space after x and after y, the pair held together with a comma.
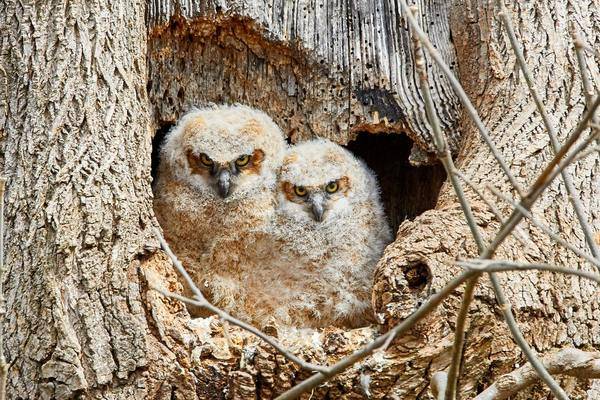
x: 554, y: 311
x: 76, y: 149
x: 82, y: 320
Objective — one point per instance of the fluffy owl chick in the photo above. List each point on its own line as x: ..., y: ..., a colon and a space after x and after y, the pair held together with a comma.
x: 215, y: 193
x: 332, y: 227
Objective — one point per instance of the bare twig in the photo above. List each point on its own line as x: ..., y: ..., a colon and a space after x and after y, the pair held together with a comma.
x: 543, y: 181
x: 463, y: 97
x: 3, y: 364
x: 177, y: 264
x: 587, y: 153
x: 441, y: 144
x: 387, y: 343
x: 226, y: 317
x: 566, y: 176
x: 571, y: 362
x: 522, y: 237
x: 548, y: 174
x: 202, y: 302
x: 459, y: 339
x: 504, y: 266
x: 445, y: 157
x: 533, y: 359
x: 544, y: 228
x: 588, y: 90
x: 358, y: 355
x: 561, y: 363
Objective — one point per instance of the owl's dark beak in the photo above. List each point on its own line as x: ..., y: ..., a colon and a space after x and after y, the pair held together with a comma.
x: 317, y: 207
x: 224, y: 182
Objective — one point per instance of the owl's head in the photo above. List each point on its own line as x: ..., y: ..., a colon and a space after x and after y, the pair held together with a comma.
x: 321, y: 180
x: 225, y: 151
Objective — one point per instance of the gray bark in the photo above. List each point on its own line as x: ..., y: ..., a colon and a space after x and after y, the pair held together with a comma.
x: 76, y: 149
x: 82, y: 320
x: 554, y: 311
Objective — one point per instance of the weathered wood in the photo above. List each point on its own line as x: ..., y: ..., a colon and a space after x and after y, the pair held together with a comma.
x: 320, y: 68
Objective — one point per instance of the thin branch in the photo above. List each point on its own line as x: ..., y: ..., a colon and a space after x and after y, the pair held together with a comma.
x: 588, y: 152
x: 463, y: 97
x: 202, y: 302
x: 459, y: 339
x: 445, y: 157
x: 588, y: 90
x: 533, y: 359
x: 3, y: 364
x: 504, y: 266
x: 544, y: 228
x: 572, y: 362
x: 226, y: 317
x: 566, y: 176
x: 531, y: 376
x: 548, y: 174
x: 521, y: 237
x: 399, y: 329
x: 177, y: 264
x: 441, y: 144
x: 387, y: 343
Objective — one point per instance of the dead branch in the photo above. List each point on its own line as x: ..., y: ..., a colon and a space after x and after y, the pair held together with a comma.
x: 446, y: 159
x: 399, y: 329
x: 572, y: 362
x: 503, y: 266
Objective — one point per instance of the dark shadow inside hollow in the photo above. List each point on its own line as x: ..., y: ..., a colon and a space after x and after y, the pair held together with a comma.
x: 417, y: 276
x: 157, y: 143
x: 406, y: 190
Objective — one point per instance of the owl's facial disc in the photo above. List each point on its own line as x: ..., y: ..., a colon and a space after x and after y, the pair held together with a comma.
x: 225, y: 176
x: 319, y: 199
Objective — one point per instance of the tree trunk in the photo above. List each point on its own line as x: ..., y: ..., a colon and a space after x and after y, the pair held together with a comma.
x: 554, y: 311
x: 82, y: 320
x: 76, y: 149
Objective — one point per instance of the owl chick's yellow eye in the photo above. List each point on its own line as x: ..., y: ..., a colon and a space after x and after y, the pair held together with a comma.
x: 205, y: 160
x: 300, y: 191
x: 332, y: 187
x: 242, y: 161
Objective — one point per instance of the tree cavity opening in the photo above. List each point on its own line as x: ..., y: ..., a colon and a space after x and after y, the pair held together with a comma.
x: 406, y: 190
x: 157, y: 143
